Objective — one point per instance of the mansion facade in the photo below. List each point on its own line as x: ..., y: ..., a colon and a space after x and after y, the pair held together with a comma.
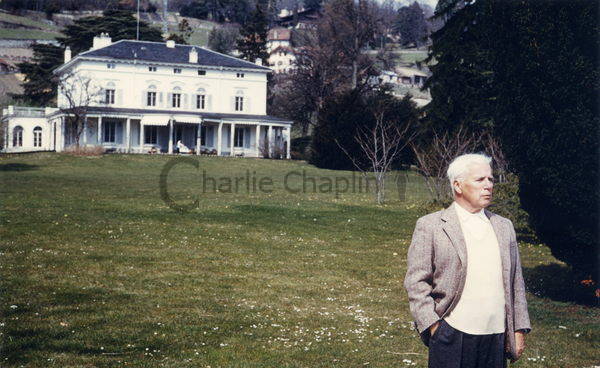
x: 146, y: 97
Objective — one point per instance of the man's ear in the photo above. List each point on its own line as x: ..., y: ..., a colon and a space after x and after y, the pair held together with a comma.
x: 457, y: 187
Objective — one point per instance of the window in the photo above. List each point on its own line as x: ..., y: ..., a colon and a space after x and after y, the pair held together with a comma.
x: 240, y: 75
x: 110, y: 66
x: 239, y: 103
x: 203, y: 135
x: 37, y: 136
x: 109, y: 131
x: 109, y: 96
x: 177, y: 70
x: 151, y: 68
x: 150, y: 134
x: 18, y: 137
x: 238, y: 138
x: 201, y: 100
x: 176, y: 100
x: 201, y: 72
x: 151, y: 99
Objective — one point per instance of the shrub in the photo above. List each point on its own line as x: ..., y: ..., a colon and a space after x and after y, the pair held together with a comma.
x: 85, y: 150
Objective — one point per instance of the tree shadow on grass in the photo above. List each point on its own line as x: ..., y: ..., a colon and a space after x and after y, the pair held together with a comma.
x: 17, y: 167
x: 559, y: 283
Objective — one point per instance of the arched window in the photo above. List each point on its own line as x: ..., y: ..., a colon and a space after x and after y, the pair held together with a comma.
x: 18, y: 136
x: 37, y: 136
x: 176, y: 97
x: 201, y: 99
x: 109, y: 94
x: 239, y: 101
x: 151, y: 96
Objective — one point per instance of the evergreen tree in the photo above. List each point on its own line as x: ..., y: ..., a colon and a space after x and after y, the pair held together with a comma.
x: 223, y: 39
x: 461, y: 81
x: 344, y: 115
x: 546, y: 72
x: 252, y: 43
x: 530, y: 70
x: 39, y: 86
x: 411, y: 24
x: 119, y: 24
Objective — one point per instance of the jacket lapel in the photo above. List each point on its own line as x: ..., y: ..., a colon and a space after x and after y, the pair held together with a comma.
x: 504, y: 243
x: 452, y: 228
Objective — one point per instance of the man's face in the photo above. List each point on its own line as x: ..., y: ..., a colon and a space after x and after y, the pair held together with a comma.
x: 477, y: 186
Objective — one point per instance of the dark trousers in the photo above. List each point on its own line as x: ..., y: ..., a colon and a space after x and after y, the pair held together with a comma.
x: 450, y: 348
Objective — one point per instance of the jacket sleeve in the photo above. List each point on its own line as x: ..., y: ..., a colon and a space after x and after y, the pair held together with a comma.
x: 419, y: 277
x: 521, y: 315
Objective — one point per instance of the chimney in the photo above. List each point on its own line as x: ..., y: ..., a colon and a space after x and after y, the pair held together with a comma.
x: 101, y: 41
x: 258, y: 62
x: 171, y: 44
x: 193, y: 56
x: 67, y: 54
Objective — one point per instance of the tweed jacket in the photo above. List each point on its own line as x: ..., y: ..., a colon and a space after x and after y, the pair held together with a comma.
x: 436, y: 272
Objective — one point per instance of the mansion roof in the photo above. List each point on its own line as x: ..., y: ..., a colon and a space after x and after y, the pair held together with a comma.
x: 159, y: 52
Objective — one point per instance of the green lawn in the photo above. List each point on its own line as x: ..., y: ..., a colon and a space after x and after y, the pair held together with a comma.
x: 96, y: 271
x: 27, y: 22
x: 28, y: 34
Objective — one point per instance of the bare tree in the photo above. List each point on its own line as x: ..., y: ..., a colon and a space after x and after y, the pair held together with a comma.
x: 494, y: 150
x: 381, y: 145
x: 433, y: 158
x: 78, y: 93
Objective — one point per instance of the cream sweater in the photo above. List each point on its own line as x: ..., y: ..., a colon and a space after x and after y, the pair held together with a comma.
x: 480, y: 310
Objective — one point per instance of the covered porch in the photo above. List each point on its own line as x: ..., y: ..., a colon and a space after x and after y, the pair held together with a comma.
x: 183, y: 134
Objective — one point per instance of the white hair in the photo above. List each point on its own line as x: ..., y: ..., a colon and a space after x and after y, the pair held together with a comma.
x: 460, y: 166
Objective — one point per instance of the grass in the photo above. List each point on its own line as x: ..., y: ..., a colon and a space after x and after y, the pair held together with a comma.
x: 28, y: 34
x: 96, y: 271
x: 32, y: 29
x: 411, y: 57
x: 26, y: 22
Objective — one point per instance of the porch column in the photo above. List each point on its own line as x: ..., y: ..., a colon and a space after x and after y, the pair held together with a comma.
x: 231, y: 141
x: 100, y: 130
x: 128, y: 135
x: 198, y: 138
x: 257, y: 139
x: 288, y: 138
x: 63, y: 132
x: 219, y: 135
x: 54, y: 135
x: 141, y: 137
x: 85, y: 127
x: 270, y: 140
x: 9, y: 140
x: 170, y: 136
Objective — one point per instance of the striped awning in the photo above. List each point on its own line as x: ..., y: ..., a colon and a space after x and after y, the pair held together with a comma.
x: 187, y: 119
x: 159, y: 120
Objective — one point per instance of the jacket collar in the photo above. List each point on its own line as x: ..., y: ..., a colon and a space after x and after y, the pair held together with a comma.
x: 451, y: 226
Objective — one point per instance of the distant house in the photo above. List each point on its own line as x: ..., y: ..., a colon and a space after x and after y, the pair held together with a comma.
x: 411, y: 76
x: 156, y: 97
x: 281, y: 54
x: 300, y: 18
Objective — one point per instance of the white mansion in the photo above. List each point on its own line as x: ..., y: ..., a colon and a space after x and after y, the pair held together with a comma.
x: 146, y: 97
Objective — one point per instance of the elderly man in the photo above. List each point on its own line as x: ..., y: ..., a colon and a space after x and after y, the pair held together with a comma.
x: 464, y: 281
